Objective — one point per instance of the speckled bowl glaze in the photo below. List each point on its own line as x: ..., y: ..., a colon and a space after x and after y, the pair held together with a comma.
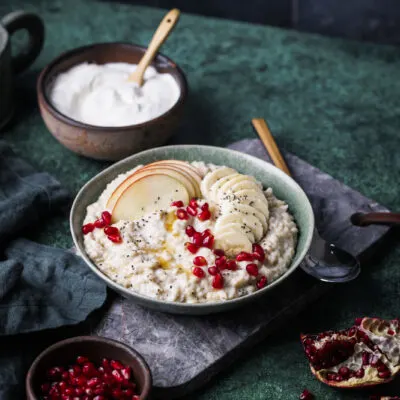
x: 284, y: 188
x: 100, y: 142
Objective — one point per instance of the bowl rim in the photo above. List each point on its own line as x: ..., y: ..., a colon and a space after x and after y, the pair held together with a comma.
x: 44, y: 99
x: 148, y: 380
x: 191, y: 307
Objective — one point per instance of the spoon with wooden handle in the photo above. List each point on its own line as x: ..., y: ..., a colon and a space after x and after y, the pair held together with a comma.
x: 375, y: 218
x: 159, y: 37
x: 324, y: 260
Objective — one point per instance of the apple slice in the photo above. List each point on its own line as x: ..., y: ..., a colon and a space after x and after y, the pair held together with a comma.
x: 190, y: 183
x: 184, y: 166
x: 149, y: 193
x: 144, y: 172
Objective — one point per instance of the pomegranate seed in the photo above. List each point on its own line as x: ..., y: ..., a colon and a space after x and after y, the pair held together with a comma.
x: 111, y: 230
x: 45, y: 387
x: 115, y: 238
x: 106, y: 217
x: 213, y: 271
x: 390, y: 332
x: 331, y: 377
x: 98, y: 390
x: 204, y: 207
x: 384, y: 375
x: 365, y: 358
x: 89, y: 391
x: 199, y: 261
x: 306, y: 395
x: 190, y: 231
x: 221, y: 262
x: 344, y: 372
x: 198, y: 239
x: 205, y: 233
x: 80, y: 381
x: 231, y: 265
x: 208, y: 241
x: 258, y: 252
x: 252, y: 269
x: 204, y: 215
x: 135, y: 397
x: 87, y: 228
x: 360, y: 373
x: 192, y: 211
x: 116, y: 364
x: 262, y: 282
x: 219, y: 252
x: 88, y: 369
x: 192, y: 248
x: 77, y: 369
x: 55, y: 372
x: 193, y: 203
x: 218, y: 282
x: 178, y: 203
x: 79, y: 391
x: 64, y: 375
x: 126, y: 372
x: 358, y: 321
x: 243, y: 256
x: 99, y: 223
x: 99, y: 398
x: 197, y: 271
x: 117, y: 393
x: 382, y: 368
x: 127, y: 392
x: 69, y: 391
x: 82, y: 360
x: 182, y: 214
x: 92, y: 382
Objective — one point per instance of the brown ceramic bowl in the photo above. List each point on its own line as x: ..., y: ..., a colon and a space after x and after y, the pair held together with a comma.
x: 108, y: 143
x: 95, y: 348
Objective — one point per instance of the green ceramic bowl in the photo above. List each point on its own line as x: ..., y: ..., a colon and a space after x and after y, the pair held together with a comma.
x: 283, y: 186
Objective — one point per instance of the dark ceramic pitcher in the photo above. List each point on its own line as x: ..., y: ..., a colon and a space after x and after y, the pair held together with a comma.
x: 11, y: 65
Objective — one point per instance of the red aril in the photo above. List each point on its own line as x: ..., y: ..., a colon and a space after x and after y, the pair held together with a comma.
x: 106, y: 217
x: 213, y: 271
x: 204, y: 207
x: 115, y: 238
x: 258, y: 252
x: 111, y: 230
x: 182, y: 214
x: 221, y: 262
x: 204, y: 215
x: 197, y: 239
x: 197, y: 271
x: 219, y: 252
x: 199, y: 261
x: 190, y: 231
x: 191, y: 211
x: 177, y: 203
x: 243, y: 256
x: 262, y: 282
x: 218, y: 282
x: 99, y: 223
x: 81, y: 360
x: 87, y: 228
x: 252, y: 269
x: 191, y: 247
x: 193, y: 203
x: 306, y: 395
x: 231, y: 265
x: 116, y: 364
x: 208, y: 241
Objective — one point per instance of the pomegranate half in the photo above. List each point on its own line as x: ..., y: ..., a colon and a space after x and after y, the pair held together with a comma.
x: 366, y: 354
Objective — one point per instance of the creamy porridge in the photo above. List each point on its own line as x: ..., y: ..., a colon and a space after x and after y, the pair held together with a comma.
x: 189, y: 232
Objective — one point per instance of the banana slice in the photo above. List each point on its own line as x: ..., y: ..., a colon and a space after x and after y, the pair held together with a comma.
x: 233, y: 222
x: 233, y: 242
x: 247, y: 211
x: 215, y: 194
x: 213, y: 177
x: 239, y: 182
x: 254, y: 198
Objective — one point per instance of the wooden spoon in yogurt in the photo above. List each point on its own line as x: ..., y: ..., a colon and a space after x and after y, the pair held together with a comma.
x: 159, y: 37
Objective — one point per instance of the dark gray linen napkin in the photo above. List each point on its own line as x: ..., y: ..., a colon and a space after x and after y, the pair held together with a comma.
x: 40, y: 287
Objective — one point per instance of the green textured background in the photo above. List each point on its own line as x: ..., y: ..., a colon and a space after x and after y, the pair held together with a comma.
x: 334, y: 103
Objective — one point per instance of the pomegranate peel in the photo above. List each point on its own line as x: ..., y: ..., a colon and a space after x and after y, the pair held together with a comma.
x: 367, y: 354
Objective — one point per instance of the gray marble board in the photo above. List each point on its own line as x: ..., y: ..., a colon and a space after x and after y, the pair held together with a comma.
x: 184, y: 352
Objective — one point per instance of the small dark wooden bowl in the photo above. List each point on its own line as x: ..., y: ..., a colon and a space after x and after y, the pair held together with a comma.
x: 108, y: 143
x: 95, y: 348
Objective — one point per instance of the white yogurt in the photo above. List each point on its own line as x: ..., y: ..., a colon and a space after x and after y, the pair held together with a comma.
x: 101, y: 94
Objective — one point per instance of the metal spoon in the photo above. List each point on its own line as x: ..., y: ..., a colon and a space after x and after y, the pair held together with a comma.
x: 324, y: 260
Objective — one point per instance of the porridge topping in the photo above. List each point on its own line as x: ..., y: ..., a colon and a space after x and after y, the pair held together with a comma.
x: 189, y: 232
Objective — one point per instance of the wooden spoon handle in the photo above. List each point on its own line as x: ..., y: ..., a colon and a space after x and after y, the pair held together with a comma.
x: 159, y: 37
x: 376, y: 218
x: 266, y: 137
